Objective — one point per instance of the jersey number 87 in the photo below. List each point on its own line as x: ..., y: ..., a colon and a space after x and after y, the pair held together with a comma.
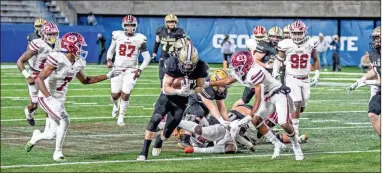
x: 129, y: 48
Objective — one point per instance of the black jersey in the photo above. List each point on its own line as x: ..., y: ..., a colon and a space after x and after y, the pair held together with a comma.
x: 208, y: 93
x: 266, y: 48
x: 33, y: 36
x: 167, y: 39
x: 375, y: 60
x: 171, y: 68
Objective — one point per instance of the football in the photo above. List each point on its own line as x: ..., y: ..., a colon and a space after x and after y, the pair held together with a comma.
x: 177, y: 83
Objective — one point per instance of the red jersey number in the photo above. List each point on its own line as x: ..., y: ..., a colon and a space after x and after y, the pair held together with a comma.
x: 66, y: 81
x: 299, y: 62
x: 129, y: 48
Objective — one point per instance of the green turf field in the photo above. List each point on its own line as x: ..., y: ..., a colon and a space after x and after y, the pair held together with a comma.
x: 341, y: 139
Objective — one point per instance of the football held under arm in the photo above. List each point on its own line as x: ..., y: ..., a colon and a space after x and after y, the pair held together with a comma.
x: 167, y: 89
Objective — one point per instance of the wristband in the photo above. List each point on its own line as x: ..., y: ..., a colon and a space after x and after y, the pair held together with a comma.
x: 25, y: 73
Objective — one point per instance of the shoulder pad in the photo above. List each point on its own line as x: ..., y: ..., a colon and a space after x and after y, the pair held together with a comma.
x: 208, y: 93
x: 255, y: 75
x: 81, y: 63
x: 116, y: 34
x: 251, y: 44
x: 170, y: 66
x: 261, y: 47
x: 141, y: 37
x: 159, y: 29
x: 180, y: 33
x: 36, y: 44
x: 284, y: 44
x: 204, y: 69
x: 55, y: 58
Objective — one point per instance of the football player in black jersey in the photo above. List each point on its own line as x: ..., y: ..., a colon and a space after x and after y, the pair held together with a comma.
x: 375, y: 60
x: 37, y: 29
x: 194, y: 70
x: 166, y: 36
x: 200, y: 105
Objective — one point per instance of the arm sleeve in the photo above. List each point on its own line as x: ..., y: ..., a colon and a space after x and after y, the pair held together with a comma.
x: 146, y: 60
x: 111, y: 49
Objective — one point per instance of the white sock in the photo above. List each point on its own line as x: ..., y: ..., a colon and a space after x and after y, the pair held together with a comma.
x: 295, y: 124
x: 271, y: 137
x: 123, y: 108
x: 116, y: 103
x: 293, y: 139
x: 47, y: 124
x: 49, y: 133
x: 188, y: 125
x: 61, y: 131
x: 214, y: 149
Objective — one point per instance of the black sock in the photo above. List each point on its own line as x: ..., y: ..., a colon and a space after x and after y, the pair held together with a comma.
x: 145, y: 149
x: 186, y: 138
x: 158, y: 142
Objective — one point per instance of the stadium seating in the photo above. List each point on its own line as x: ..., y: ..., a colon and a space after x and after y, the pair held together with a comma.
x: 28, y: 11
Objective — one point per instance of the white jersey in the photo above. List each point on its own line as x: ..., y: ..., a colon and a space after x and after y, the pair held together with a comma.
x: 297, y: 56
x: 126, y: 48
x: 259, y: 75
x: 57, y: 83
x: 251, y: 45
x: 42, y: 48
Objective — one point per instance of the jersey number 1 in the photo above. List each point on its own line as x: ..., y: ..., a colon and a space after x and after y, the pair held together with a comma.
x: 299, y: 62
x: 123, y: 48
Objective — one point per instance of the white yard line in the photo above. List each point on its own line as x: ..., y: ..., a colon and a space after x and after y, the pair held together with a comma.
x: 363, y: 123
x: 178, y: 159
x: 324, y: 121
x: 148, y: 116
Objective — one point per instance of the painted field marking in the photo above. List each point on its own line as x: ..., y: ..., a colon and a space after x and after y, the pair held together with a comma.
x: 178, y: 159
x: 149, y: 116
x: 323, y: 121
x: 359, y: 123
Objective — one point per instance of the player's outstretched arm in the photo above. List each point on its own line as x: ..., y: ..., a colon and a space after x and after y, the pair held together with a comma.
x: 222, y: 109
x: 223, y: 82
x: 21, y: 61
x: 214, y: 111
x: 95, y: 79
x: 45, y: 73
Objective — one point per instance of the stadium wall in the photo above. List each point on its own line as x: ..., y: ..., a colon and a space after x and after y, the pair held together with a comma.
x: 206, y: 33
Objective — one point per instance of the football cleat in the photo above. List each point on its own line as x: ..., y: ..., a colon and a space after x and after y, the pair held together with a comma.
x: 298, y: 152
x: 189, y: 149
x: 156, y: 151
x: 58, y: 156
x: 120, y: 121
x: 141, y: 158
x: 29, y: 146
x: 278, y: 148
x: 29, y: 116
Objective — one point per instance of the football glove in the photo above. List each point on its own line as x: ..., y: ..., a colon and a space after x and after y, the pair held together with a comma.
x: 314, y: 80
x: 224, y: 123
x: 354, y: 86
x: 185, y: 90
x: 113, y: 73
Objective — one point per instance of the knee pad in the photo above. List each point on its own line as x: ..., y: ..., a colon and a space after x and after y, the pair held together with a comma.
x: 154, y: 122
